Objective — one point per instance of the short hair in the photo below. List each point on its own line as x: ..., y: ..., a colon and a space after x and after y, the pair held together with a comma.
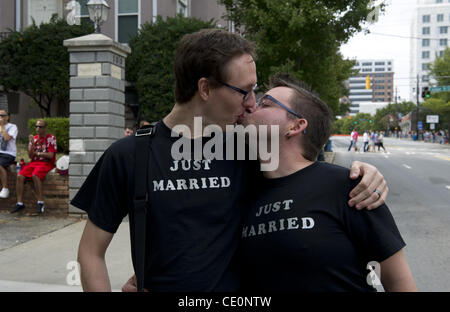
x: 42, y: 120
x: 206, y: 53
x: 308, y: 104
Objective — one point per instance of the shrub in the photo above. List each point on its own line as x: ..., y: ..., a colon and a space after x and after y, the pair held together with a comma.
x: 150, y: 64
x: 57, y: 126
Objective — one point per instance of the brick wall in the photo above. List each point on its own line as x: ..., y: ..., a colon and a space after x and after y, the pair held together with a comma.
x: 56, y: 195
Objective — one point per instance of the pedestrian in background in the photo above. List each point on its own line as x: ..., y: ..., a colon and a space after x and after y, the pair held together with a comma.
x: 380, y: 141
x: 374, y: 140
x: 8, y: 149
x: 354, y: 139
x: 366, y: 141
x: 128, y: 131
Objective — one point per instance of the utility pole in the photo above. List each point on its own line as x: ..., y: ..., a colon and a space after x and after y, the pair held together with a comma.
x: 417, y: 110
x: 396, y: 111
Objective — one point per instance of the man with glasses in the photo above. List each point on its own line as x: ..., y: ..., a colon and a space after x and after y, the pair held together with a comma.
x: 194, y: 220
x: 42, y: 152
x: 8, y: 149
x: 299, y: 234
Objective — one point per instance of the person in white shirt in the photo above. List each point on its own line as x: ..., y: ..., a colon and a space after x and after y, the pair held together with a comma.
x: 8, y: 149
x: 366, y: 141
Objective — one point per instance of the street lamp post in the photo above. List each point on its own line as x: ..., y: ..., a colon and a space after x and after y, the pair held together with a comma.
x: 98, y: 12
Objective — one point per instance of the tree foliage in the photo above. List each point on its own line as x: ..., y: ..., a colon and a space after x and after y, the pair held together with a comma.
x: 302, y: 37
x: 35, y: 61
x: 439, y: 103
x: 150, y: 64
x: 378, y: 122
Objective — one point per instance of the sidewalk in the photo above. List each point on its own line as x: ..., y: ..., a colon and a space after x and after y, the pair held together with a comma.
x: 44, y: 262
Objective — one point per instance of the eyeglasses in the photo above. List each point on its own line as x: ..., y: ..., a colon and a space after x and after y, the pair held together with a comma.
x: 2, y: 115
x: 266, y: 97
x: 246, y: 94
x: 40, y: 127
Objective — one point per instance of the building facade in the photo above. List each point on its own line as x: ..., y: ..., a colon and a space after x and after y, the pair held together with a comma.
x: 381, y: 92
x: 124, y: 21
x: 430, y: 37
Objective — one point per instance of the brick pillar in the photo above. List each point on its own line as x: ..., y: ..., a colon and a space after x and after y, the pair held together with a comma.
x: 97, y: 102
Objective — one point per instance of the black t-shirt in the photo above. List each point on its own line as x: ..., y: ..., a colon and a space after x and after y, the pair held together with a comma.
x: 194, y: 219
x: 301, y: 235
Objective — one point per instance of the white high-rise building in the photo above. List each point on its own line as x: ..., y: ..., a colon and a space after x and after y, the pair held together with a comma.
x: 381, y: 73
x: 430, y: 37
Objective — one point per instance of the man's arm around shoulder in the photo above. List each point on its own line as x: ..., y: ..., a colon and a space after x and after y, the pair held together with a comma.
x: 91, y: 256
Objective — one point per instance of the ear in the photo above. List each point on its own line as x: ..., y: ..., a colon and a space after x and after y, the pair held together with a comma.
x: 297, y: 127
x: 203, y: 88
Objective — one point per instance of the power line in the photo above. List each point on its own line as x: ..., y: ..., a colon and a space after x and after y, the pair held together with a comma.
x: 404, y: 37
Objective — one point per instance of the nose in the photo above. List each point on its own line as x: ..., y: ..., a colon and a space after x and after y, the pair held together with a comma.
x: 250, y: 102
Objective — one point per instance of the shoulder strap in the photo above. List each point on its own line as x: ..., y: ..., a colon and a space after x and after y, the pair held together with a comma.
x: 143, y: 142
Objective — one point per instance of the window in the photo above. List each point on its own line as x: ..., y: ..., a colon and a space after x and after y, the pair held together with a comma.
x: 425, y: 54
x: 425, y: 18
x: 424, y: 66
x: 127, y: 19
x: 440, y: 17
x: 443, y: 29
x: 438, y: 1
x: 379, y: 63
x: 425, y: 42
x: 367, y: 69
x: 183, y: 7
x: 425, y: 78
x: 441, y: 53
x: 367, y: 64
x: 425, y: 30
x: 443, y: 42
x: 379, y: 69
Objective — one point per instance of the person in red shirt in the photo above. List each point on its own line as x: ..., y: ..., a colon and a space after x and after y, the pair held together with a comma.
x: 42, y: 152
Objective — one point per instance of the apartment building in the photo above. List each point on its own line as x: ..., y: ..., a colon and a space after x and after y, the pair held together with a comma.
x: 381, y: 73
x: 430, y: 38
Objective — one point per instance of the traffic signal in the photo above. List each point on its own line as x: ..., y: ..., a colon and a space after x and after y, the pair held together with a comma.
x: 370, y: 120
x: 426, y: 93
x: 367, y: 82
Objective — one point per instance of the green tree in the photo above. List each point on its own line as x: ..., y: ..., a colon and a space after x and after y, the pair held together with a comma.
x: 382, y: 117
x: 35, y: 61
x: 150, y: 64
x: 439, y: 103
x: 302, y: 37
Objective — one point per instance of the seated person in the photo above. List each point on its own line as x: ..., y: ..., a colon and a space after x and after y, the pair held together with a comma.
x: 8, y: 150
x: 42, y: 152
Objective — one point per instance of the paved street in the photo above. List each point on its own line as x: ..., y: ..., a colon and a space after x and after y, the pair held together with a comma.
x: 418, y: 175
x: 38, y: 254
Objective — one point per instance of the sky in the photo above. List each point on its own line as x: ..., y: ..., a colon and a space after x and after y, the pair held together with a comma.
x: 380, y: 43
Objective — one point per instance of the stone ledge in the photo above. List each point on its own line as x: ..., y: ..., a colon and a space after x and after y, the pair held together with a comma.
x: 56, y: 195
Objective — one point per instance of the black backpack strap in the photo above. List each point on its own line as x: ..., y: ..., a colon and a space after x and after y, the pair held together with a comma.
x: 143, y: 142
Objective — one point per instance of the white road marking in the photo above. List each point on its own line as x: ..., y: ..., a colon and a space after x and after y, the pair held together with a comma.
x: 406, y: 166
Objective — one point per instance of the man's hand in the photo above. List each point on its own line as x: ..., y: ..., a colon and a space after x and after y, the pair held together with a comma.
x: 30, y: 138
x: 131, y: 285
x: 364, y: 195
